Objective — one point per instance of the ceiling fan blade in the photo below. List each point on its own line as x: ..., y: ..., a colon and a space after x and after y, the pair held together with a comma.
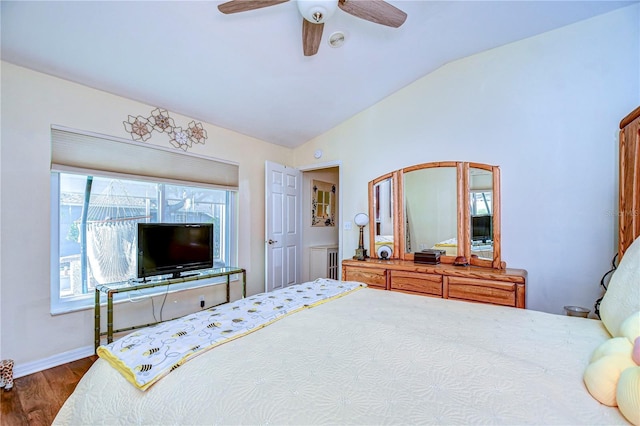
x: 235, y: 6
x: 311, y: 36
x: 377, y: 11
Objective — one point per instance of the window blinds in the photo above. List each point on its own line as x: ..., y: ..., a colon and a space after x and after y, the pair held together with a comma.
x: 91, y: 153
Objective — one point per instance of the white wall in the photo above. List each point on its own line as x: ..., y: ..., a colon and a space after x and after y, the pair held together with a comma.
x: 546, y: 110
x: 314, y: 235
x: 31, y: 103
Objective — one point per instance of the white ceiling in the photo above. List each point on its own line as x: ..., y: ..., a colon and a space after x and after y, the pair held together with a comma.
x: 246, y: 72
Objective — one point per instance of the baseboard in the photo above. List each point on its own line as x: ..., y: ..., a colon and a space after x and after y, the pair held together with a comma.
x: 20, y: 370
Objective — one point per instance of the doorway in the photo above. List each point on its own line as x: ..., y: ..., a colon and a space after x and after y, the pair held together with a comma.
x: 321, y: 210
x: 280, y: 270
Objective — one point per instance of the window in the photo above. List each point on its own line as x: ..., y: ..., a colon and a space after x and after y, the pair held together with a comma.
x: 481, y: 202
x: 94, y: 229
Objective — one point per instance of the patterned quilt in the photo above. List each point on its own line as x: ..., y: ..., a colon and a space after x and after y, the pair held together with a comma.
x: 145, y: 356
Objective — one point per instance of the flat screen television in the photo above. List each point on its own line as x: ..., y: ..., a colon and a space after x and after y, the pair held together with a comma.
x: 174, y: 248
x: 481, y: 228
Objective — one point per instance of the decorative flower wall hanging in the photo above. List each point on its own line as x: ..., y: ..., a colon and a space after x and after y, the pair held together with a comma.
x: 196, y: 133
x: 179, y: 139
x: 141, y: 128
x: 161, y: 120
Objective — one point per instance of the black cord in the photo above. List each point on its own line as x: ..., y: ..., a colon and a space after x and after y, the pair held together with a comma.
x: 163, y: 300
x: 602, y: 283
x: 153, y: 307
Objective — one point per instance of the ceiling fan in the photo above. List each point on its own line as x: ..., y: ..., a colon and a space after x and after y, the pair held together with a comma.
x: 316, y: 12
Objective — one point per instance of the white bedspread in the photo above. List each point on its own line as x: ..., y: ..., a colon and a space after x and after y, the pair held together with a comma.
x: 371, y: 357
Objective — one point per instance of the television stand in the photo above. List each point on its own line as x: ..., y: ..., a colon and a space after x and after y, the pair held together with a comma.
x: 123, y: 287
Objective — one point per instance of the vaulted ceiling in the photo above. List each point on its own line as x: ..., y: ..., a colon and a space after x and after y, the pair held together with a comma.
x: 246, y: 71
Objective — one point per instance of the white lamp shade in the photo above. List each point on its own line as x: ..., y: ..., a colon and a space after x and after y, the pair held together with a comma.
x: 361, y: 219
x: 317, y: 11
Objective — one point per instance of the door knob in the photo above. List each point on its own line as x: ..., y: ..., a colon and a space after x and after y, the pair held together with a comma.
x: 271, y: 241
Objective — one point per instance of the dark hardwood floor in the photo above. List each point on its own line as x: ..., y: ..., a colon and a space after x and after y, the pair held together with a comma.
x: 36, y: 399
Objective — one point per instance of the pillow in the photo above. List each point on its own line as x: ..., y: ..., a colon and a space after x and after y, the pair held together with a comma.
x: 622, y: 297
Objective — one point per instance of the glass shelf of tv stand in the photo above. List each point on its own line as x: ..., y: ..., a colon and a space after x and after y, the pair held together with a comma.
x: 482, y: 245
x: 133, y: 285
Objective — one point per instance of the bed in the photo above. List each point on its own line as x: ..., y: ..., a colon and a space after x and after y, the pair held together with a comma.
x: 372, y: 356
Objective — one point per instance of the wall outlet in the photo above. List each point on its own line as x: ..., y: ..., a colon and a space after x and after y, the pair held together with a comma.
x: 347, y: 226
x: 423, y: 246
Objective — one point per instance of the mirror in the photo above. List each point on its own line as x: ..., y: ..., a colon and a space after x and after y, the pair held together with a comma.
x: 450, y: 206
x: 481, y: 212
x: 382, y: 216
x: 430, y: 209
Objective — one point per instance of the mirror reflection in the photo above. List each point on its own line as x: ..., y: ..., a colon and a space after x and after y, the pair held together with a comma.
x: 481, y: 212
x: 430, y: 207
x: 383, y: 217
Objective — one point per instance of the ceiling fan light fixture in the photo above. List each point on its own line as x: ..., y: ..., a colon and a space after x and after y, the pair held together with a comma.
x: 317, y: 11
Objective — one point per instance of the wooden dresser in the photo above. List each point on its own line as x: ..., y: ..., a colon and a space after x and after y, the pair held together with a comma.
x: 477, y: 284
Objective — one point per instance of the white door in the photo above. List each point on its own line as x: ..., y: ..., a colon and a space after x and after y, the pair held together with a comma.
x: 282, y: 228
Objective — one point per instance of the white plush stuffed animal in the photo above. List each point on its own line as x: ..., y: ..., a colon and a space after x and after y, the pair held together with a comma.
x: 613, y: 375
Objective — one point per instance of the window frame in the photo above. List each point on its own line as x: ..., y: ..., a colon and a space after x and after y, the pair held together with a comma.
x: 62, y: 305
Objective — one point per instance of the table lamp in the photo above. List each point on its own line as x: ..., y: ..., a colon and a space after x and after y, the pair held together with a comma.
x: 361, y: 220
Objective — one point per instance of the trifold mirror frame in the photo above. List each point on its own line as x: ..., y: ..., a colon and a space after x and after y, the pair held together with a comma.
x: 463, y: 213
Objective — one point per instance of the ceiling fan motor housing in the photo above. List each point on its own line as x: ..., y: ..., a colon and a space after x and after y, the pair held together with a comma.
x: 317, y: 11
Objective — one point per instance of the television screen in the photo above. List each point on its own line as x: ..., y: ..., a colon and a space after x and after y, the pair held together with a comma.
x: 481, y: 228
x: 173, y: 248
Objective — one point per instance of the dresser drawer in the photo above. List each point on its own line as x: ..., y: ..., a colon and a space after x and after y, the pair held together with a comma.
x: 373, y: 277
x: 486, y: 291
x: 417, y: 282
